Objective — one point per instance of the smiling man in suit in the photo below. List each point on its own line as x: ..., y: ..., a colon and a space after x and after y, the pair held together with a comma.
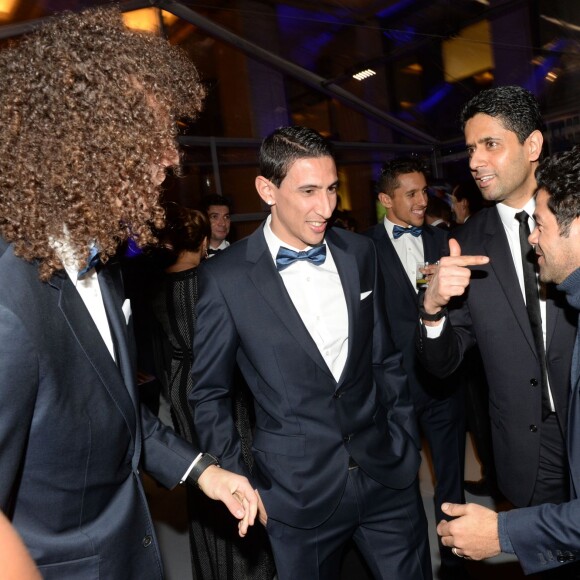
x: 403, y: 241
x: 525, y: 337
x: 87, y: 130
x: 300, y: 309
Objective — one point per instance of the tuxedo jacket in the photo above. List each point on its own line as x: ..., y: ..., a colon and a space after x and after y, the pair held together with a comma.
x: 401, y: 302
x: 72, y: 433
x: 307, y: 423
x: 547, y: 536
x: 492, y: 313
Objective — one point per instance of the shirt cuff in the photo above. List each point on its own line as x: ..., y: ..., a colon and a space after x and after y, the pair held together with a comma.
x: 186, y: 474
x: 505, y: 543
x: 435, y: 331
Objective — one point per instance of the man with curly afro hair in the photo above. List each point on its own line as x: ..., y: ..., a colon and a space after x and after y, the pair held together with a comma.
x: 87, y: 129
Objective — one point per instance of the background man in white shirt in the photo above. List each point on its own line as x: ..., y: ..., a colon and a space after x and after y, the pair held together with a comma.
x: 218, y: 210
x: 300, y: 309
x: 404, y: 241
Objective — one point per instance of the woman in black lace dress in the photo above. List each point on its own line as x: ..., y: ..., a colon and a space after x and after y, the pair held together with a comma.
x: 217, y: 552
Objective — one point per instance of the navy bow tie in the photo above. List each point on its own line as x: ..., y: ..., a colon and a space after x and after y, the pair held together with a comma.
x: 398, y: 231
x: 92, y: 261
x: 286, y: 256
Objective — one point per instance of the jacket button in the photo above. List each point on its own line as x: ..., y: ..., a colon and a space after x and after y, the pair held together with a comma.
x: 147, y: 541
x: 571, y: 557
x: 337, y: 395
x: 562, y: 558
x: 533, y: 428
x: 346, y: 438
x: 534, y: 382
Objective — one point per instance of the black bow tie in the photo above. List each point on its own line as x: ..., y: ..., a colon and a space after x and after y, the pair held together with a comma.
x: 286, y: 256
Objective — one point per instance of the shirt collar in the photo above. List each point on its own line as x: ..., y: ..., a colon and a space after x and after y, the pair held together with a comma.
x: 507, y: 214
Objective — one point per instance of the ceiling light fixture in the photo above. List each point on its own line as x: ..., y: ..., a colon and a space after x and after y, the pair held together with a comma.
x: 364, y: 74
x: 7, y: 7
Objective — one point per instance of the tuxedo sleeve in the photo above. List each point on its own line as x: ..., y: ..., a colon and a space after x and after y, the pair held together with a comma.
x: 19, y: 380
x: 442, y: 356
x: 215, y: 346
x: 166, y: 456
x: 545, y: 536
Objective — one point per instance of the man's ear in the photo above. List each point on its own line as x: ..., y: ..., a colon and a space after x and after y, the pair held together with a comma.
x: 385, y: 200
x: 534, y: 142
x: 266, y: 190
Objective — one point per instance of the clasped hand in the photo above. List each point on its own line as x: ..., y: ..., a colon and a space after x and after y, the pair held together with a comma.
x: 473, y: 534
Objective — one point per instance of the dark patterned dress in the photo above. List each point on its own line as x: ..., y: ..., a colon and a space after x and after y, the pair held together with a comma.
x: 217, y: 552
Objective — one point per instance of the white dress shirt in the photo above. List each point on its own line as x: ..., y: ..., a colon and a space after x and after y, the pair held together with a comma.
x: 318, y: 296
x: 89, y: 290
x: 409, y: 249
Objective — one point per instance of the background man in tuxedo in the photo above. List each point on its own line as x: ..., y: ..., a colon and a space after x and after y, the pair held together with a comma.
x: 525, y: 342
x: 301, y: 310
x: 87, y: 129
x: 546, y: 536
x: 218, y: 210
x: 403, y: 240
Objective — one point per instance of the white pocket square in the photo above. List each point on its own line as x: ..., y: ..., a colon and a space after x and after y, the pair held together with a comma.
x: 127, y: 310
x: 365, y: 294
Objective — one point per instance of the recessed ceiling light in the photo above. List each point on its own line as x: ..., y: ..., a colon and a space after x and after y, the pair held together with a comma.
x: 364, y: 74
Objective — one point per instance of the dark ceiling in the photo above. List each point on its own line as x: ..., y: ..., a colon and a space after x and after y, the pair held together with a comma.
x: 330, y: 40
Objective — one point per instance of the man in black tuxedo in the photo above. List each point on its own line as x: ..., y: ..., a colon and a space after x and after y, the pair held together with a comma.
x: 546, y: 537
x: 87, y: 112
x: 525, y: 338
x: 404, y: 241
x: 300, y: 308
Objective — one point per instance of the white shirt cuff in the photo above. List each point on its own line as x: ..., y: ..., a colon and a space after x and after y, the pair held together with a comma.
x: 186, y: 474
x: 435, y: 331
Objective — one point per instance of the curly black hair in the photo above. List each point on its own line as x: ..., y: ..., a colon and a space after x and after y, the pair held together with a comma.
x: 515, y: 107
x: 559, y: 175
x: 87, y: 126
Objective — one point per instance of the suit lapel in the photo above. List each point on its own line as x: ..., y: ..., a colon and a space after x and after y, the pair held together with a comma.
x: 270, y: 286
x: 431, y: 251
x: 390, y: 262
x: 498, y: 250
x: 350, y: 278
x: 90, y: 341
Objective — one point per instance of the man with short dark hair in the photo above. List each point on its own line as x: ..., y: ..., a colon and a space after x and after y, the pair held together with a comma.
x: 466, y: 200
x: 525, y: 337
x: 544, y: 537
x: 403, y: 242
x: 218, y: 210
x: 300, y: 309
